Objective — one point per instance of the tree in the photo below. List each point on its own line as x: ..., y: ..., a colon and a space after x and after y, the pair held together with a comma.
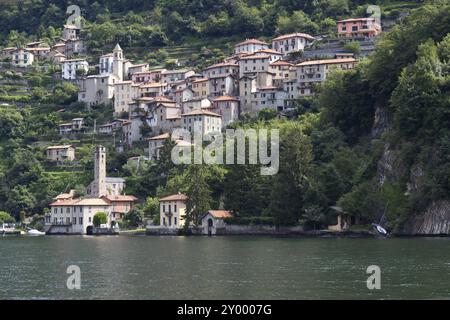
x: 151, y: 207
x: 267, y: 114
x: 198, y: 193
x: 298, y: 21
x: 353, y: 47
x: 291, y: 182
x: 100, y: 218
x: 6, y: 217
x: 134, y: 218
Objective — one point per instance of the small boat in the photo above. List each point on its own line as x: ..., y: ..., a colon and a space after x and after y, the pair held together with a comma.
x: 377, y: 226
x: 379, y: 229
x: 34, y: 232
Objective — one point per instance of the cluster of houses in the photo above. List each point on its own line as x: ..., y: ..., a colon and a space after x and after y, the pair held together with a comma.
x: 70, y: 45
x: 258, y: 75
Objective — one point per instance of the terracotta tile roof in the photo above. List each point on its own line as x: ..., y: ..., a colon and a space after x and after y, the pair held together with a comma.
x: 251, y: 41
x: 357, y: 19
x: 200, y: 80
x: 160, y: 137
x: 253, y: 56
x: 294, y: 35
x: 91, y: 202
x: 226, y: 98
x: 222, y: 64
x: 280, y: 63
x: 326, y: 61
x: 151, y: 85
x: 220, y: 214
x: 70, y: 202
x: 175, y: 197
x: 201, y: 112
x: 120, y: 198
x: 269, y: 51
x: 60, y: 147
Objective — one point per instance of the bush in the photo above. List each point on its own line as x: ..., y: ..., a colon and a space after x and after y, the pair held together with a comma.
x: 6, y: 217
x: 250, y: 220
x: 100, y: 218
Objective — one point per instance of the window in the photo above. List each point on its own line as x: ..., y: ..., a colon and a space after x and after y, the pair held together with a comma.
x: 175, y: 220
x: 80, y: 220
x: 90, y: 219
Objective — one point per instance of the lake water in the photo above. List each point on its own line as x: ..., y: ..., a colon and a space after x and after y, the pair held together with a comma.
x: 139, y: 267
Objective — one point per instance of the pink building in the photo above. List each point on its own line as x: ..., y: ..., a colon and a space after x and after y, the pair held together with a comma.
x: 359, y: 27
x: 147, y: 76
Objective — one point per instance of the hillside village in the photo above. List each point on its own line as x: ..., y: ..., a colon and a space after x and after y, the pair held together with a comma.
x: 259, y: 75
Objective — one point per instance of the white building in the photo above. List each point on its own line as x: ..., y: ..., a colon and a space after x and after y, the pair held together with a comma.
x: 170, y: 76
x: 273, y: 54
x: 69, y: 68
x: 124, y: 94
x: 71, y: 32
x: 222, y: 85
x: 195, y: 104
x: 106, y: 64
x: 313, y: 72
x: 97, y: 89
x: 155, y: 144
x: 252, y: 64
x: 227, y: 107
x: 221, y: 69
x: 250, y: 46
x: 201, y: 121
x: 213, y: 222
x: 292, y: 42
x: 21, y: 58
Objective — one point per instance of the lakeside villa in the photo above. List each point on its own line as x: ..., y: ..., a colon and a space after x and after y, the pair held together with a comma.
x: 72, y: 215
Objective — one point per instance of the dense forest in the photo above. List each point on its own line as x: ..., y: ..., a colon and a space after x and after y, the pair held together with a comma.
x: 374, y: 139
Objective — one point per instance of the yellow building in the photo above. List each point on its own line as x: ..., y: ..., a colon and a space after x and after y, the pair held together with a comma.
x: 172, y: 210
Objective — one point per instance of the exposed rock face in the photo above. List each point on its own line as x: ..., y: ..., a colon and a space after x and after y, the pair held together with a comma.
x: 434, y: 221
x: 382, y: 121
x: 389, y: 167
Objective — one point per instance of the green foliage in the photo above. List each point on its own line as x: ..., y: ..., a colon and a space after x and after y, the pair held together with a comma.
x: 250, y: 220
x: 6, y: 217
x: 99, y: 219
x: 296, y: 22
x: 151, y: 207
x: 198, y: 193
x: 134, y: 218
x: 353, y: 47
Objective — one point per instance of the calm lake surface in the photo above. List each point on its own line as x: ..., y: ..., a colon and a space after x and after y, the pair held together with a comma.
x: 139, y: 267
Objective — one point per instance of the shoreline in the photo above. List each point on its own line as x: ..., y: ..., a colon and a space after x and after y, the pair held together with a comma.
x: 305, y: 234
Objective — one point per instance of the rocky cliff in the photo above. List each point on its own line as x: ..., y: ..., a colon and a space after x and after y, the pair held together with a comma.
x: 435, y: 220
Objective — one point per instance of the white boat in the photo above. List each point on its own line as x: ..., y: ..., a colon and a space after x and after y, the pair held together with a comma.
x: 34, y: 232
